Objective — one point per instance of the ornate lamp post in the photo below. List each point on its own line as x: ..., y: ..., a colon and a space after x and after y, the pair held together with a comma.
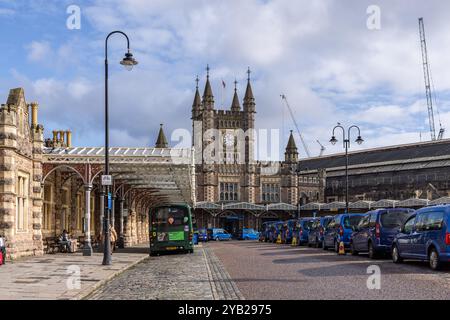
x: 346, y: 141
x: 128, y: 62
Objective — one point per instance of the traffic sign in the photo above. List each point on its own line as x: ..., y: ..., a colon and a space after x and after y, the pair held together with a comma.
x: 106, y: 180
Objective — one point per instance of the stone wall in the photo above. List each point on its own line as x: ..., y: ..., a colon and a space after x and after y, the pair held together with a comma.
x: 21, y: 145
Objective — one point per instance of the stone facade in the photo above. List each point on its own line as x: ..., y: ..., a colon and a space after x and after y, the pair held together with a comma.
x: 235, y: 175
x: 39, y: 200
x: 21, y: 143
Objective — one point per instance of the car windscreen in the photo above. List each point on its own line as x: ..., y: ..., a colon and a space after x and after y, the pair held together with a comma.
x: 394, y: 219
x: 170, y: 216
x: 326, y: 221
x: 351, y: 221
x: 308, y: 224
x: 219, y: 231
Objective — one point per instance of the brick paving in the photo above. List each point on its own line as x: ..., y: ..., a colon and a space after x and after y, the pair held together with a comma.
x: 47, y: 277
x: 197, y: 276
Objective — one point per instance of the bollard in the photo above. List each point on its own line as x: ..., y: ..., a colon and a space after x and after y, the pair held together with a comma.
x: 279, y: 239
x: 294, y: 241
x: 341, y: 248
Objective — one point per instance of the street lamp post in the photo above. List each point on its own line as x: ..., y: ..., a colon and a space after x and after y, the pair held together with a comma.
x: 128, y: 62
x: 346, y: 141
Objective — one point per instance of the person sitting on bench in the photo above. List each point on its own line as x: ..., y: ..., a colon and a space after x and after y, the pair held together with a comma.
x: 65, y: 244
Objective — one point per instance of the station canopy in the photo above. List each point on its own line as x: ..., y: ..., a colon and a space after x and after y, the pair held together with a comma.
x: 166, y: 175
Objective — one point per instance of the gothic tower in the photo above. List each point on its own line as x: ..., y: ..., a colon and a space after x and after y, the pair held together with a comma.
x: 289, y: 177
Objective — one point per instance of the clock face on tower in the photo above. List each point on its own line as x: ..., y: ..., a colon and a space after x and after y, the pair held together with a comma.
x: 228, y: 139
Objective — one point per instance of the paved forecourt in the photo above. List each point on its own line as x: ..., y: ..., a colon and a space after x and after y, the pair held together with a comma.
x: 270, y: 271
x: 63, y: 276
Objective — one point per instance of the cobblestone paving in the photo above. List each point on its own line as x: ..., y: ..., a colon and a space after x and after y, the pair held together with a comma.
x: 172, y: 277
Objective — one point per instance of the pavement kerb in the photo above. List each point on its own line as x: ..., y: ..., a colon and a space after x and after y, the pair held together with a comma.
x: 210, y: 276
x: 88, y: 291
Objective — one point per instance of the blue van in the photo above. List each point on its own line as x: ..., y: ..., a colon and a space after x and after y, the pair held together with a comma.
x: 218, y: 234
x: 248, y: 234
x: 340, y: 229
x: 303, y: 227
x: 425, y: 236
x: 315, y: 237
x: 376, y: 231
x: 278, y: 230
x: 202, y: 235
x: 291, y: 228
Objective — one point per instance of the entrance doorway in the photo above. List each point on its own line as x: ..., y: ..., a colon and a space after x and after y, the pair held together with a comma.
x: 232, y: 223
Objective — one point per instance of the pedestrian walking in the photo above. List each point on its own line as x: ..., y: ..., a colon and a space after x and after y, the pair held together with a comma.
x: 2, y: 249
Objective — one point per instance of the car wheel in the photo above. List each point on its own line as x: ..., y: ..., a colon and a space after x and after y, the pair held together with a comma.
x: 433, y: 258
x: 217, y: 238
x: 372, y: 252
x: 352, y: 250
x: 396, y: 258
x: 324, y: 247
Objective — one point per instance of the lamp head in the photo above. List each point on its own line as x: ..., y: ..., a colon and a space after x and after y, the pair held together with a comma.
x: 128, y: 61
x: 333, y: 140
x: 359, y: 140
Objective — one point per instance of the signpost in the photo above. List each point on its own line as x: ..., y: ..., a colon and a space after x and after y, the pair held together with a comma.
x: 106, y: 180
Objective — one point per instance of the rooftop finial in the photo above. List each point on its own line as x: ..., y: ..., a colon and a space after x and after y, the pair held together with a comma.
x: 235, y: 85
x: 248, y: 74
x: 207, y: 71
x: 196, y: 81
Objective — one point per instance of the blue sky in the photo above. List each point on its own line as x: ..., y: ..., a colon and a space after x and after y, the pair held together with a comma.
x: 319, y: 53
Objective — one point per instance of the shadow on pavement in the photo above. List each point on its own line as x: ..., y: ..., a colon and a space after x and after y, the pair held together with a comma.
x: 133, y: 250
x: 355, y: 268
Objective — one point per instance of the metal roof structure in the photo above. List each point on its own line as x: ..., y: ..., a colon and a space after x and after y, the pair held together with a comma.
x: 384, y: 203
x: 407, y: 154
x: 246, y: 206
x: 312, y: 206
x: 333, y: 205
x: 165, y: 175
x: 413, y: 203
x: 443, y: 200
x: 362, y: 204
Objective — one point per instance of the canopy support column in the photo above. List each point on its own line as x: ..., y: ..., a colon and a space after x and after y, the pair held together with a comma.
x: 87, y: 248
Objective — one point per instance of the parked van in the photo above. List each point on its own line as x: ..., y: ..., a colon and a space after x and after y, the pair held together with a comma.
x: 340, y: 229
x: 315, y: 237
x: 376, y: 231
x: 425, y: 236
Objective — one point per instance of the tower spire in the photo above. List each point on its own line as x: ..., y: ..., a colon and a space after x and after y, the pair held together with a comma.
x: 291, y: 153
x: 249, y: 99
x: 161, y: 142
x: 208, y: 97
x: 197, y: 104
x: 235, y: 106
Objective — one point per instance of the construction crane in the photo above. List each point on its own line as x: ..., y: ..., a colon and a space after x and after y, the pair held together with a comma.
x: 427, y: 77
x: 322, y: 148
x: 283, y: 97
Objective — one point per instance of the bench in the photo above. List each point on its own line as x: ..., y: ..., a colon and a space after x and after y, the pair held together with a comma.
x: 51, y: 245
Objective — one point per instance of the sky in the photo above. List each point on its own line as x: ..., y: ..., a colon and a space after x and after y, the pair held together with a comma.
x: 321, y: 54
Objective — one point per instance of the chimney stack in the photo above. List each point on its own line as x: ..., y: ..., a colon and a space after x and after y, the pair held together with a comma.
x: 55, y: 137
x: 61, y: 137
x: 34, y: 114
x: 68, y: 139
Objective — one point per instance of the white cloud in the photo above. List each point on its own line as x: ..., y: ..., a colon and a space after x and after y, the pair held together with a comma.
x: 319, y: 53
x: 39, y: 51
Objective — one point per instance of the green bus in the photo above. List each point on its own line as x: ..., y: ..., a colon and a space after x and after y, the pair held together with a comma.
x: 171, y: 229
